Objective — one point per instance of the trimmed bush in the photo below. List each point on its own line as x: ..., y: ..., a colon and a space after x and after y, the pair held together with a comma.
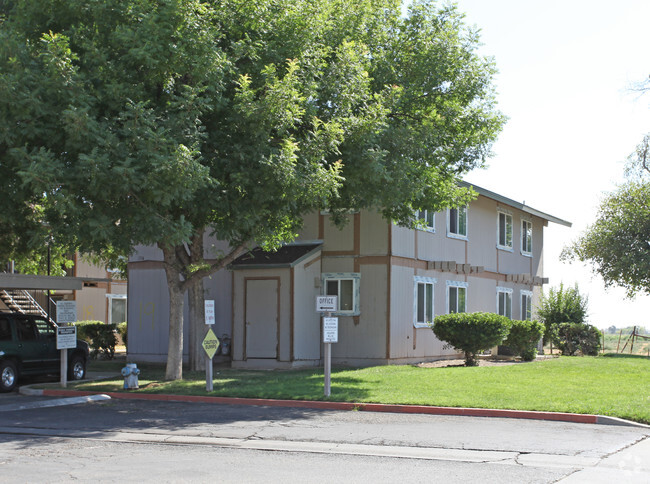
x: 121, y: 328
x: 576, y: 338
x: 100, y: 337
x: 523, y: 338
x: 471, y: 332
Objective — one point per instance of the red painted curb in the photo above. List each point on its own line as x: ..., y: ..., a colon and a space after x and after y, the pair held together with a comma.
x: 367, y: 407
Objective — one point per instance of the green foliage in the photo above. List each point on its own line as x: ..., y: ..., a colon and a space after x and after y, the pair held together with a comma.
x: 471, y: 332
x: 561, y: 305
x: 576, y: 338
x: 523, y: 338
x: 122, y: 330
x: 151, y: 122
x: 100, y: 337
x: 616, y: 244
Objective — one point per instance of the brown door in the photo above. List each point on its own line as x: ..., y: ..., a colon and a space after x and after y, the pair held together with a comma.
x: 262, y: 317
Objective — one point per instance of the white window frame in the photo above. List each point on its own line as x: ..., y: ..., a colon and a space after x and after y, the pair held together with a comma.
x: 425, y: 281
x: 524, y: 306
x: 109, y: 301
x: 457, y: 285
x: 507, y: 217
x: 526, y: 237
x: 507, y: 298
x: 355, y: 277
x: 428, y: 227
x: 457, y: 235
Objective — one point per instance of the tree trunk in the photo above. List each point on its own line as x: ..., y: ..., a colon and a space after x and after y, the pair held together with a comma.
x: 197, y: 326
x: 174, y: 370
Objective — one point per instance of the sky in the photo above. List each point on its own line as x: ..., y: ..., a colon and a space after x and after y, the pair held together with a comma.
x: 565, y: 72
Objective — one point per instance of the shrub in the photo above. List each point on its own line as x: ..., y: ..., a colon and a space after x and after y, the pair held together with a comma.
x: 576, y: 338
x: 523, y: 338
x: 100, y: 337
x: 471, y: 332
x: 121, y: 328
x: 561, y: 306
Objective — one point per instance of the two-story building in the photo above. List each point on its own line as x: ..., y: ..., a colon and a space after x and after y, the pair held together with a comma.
x: 390, y: 281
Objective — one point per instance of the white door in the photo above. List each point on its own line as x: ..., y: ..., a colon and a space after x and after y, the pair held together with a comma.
x: 262, y: 318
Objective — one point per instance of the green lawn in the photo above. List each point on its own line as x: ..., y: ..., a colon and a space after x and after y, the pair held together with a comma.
x: 618, y: 386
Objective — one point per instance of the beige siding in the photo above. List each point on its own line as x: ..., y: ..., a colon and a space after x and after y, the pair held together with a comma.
x: 374, y: 234
x: 309, y: 230
x: 482, y: 233
x: 367, y: 339
x: 403, y: 241
x: 306, y: 340
x: 338, y: 239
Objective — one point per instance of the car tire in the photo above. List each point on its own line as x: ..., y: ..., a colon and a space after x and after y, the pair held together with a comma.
x: 77, y: 368
x: 8, y: 376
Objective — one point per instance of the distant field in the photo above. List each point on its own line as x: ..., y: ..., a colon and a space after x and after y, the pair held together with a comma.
x: 641, y: 346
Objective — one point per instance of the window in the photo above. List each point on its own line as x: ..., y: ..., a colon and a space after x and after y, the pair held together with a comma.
x: 457, y: 222
x: 26, y: 330
x: 504, y: 302
x: 44, y: 328
x: 423, y: 302
x: 526, y: 237
x: 456, y: 297
x: 526, y: 305
x: 116, y: 308
x: 504, y: 232
x: 427, y: 218
x: 344, y: 285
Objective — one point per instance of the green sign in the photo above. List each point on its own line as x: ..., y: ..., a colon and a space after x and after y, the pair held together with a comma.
x: 210, y: 344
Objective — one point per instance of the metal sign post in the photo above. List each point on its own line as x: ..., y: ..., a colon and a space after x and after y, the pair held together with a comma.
x: 210, y: 345
x: 327, y: 304
x: 66, y: 336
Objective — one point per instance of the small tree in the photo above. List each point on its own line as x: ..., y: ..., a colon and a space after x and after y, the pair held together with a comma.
x: 576, y: 338
x: 471, y: 332
x: 523, y: 338
x: 562, y: 305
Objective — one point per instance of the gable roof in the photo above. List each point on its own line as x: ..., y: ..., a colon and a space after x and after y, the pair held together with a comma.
x: 515, y: 204
x: 286, y: 256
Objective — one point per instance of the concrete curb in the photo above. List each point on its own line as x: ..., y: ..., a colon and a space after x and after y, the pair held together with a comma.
x: 365, y: 407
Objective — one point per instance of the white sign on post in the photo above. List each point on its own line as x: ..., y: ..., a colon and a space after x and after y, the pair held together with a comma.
x: 330, y: 330
x: 66, y: 337
x: 326, y: 304
x: 209, y: 312
x: 66, y: 312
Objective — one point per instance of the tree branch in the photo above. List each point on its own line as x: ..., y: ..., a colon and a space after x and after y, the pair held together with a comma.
x: 215, y: 266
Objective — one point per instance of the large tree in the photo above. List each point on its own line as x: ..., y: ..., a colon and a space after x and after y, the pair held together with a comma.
x: 617, y: 244
x: 151, y: 122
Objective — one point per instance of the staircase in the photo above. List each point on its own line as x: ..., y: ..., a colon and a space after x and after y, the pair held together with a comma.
x: 21, y: 301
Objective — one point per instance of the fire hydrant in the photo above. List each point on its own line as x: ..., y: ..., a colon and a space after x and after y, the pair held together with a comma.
x: 130, y: 373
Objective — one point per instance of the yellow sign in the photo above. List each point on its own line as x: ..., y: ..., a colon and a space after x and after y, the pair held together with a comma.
x: 210, y: 344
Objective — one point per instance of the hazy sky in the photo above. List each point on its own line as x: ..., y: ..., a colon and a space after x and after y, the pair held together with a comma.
x: 565, y: 71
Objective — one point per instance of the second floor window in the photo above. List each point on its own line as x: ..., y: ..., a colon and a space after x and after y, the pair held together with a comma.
x: 457, y: 226
x: 427, y: 218
x: 526, y: 237
x: 504, y: 232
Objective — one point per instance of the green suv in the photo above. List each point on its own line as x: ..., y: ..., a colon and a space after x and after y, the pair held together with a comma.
x: 28, y: 347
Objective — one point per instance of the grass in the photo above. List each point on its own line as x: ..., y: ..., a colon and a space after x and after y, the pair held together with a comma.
x: 614, y: 341
x: 617, y: 386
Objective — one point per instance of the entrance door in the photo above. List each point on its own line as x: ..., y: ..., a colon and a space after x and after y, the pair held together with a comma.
x: 262, y: 318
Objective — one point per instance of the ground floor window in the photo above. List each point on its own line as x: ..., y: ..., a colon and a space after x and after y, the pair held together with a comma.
x: 456, y: 297
x: 526, y: 305
x: 116, y: 308
x: 346, y: 286
x: 423, y: 301
x: 504, y: 301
